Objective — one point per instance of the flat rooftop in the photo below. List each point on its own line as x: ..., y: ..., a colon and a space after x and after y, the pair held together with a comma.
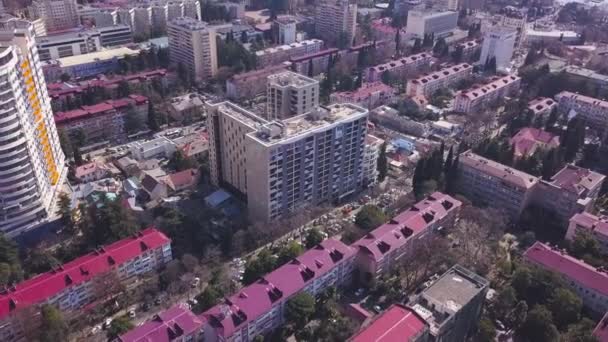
x: 497, y: 170
x: 103, y: 55
x: 290, y: 79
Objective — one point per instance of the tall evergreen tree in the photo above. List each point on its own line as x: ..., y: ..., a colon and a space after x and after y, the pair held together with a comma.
x: 449, y: 161
x: 310, y: 68
x: 382, y: 163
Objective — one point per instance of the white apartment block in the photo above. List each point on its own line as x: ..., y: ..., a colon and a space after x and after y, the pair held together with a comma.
x: 487, y: 182
x: 478, y: 96
x: 428, y: 84
x: 498, y: 43
x: 57, y: 14
x: 100, y: 17
x: 371, y: 151
x: 68, y: 44
x: 515, y: 20
x: 286, y: 30
x: 142, y: 20
x: 593, y: 111
x: 282, y: 166
x: 421, y: 23
x: 31, y: 160
x: 401, y: 68
x: 290, y: 94
x: 279, y: 54
x: 115, y: 35
x: 336, y: 20
x: 193, y: 44
x: 469, y: 48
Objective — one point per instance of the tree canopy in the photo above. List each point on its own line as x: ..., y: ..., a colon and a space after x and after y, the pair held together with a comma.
x: 370, y: 217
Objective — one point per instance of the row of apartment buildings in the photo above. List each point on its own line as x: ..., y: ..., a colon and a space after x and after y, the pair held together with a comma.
x: 593, y: 111
x: 401, y: 68
x: 427, y: 84
x: 571, y: 190
x: 475, y: 98
x: 259, y: 308
x: 369, y: 95
x: 279, y: 54
x: 74, y: 285
x: 105, y: 121
x: 144, y: 19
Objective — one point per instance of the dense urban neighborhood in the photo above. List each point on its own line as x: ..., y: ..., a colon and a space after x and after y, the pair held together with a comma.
x: 304, y: 170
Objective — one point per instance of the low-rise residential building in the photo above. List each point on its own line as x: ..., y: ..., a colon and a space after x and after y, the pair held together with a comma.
x: 528, y: 140
x: 259, y: 308
x: 428, y: 84
x: 469, y: 49
x: 251, y: 84
x: 87, y: 65
x: 75, y: 91
x: 401, y: 68
x: 477, y: 97
x: 580, y: 74
x: 596, y: 226
x: 161, y: 147
x: 187, y: 108
x: 397, y: 323
x: 318, y: 60
x: 542, y: 106
x: 104, y: 121
x: 487, y: 182
x: 369, y: 95
x: 391, y: 118
x: 91, y: 172
x: 593, y: 111
x: 571, y: 190
x: 182, y: 180
x: 588, y: 282
x: 73, y: 285
x: 452, y: 305
x: 279, y: 54
x: 424, y: 22
x: 391, y: 243
x: 175, y: 324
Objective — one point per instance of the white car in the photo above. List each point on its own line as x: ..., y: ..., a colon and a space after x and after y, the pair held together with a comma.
x: 107, y: 322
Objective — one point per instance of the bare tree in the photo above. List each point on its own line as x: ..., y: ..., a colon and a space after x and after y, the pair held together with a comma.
x: 107, y: 285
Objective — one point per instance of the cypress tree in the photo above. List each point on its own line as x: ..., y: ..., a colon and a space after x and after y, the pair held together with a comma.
x: 382, y: 163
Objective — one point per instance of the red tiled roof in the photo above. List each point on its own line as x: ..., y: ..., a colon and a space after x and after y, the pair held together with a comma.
x: 176, y: 321
x: 528, y: 139
x: 99, y: 109
x: 407, y: 225
x: 313, y: 55
x: 568, y: 266
x: 258, y: 298
x: 365, y: 91
x: 182, y: 178
x: 43, y: 286
x: 591, y: 222
x: 497, y: 170
x: 577, y: 179
x: 398, y: 323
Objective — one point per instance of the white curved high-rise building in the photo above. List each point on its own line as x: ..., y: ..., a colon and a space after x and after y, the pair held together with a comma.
x: 31, y: 160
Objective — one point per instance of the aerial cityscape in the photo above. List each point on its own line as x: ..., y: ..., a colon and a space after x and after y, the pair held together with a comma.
x: 304, y: 170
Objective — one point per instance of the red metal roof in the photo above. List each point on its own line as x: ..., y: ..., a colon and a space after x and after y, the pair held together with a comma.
x: 165, y: 327
x: 558, y: 261
x: 102, y: 108
x: 407, y: 225
x: 258, y: 298
x: 43, y: 286
x: 398, y: 323
x: 601, y: 330
x: 529, y: 138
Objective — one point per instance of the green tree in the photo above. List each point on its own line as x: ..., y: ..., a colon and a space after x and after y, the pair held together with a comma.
x: 289, y: 252
x: 566, y: 307
x: 133, y: 122
x: 313, y: 238
x: 64, y: 210
x: 517, y: 317
x: 505, y: 301
x: 256, y: 267
x: 299, y: 309
x: 66, y: 144
x: 123, y: 89
x: 180, y: 162
x: 382, y: 163
x: 417, y: 46
x: 154, y: 120
x: 106, y: 222
x: 118, y: 327
x: 208, y: 298
x: 52, y: 328
x: 486, y: 331
x: 39, y: 261
x: 370, y: 217
x: 78, y: 156
x: 581, y: 332
x: 573, y: 138
x: 441, y: 48
x: 538, y: 326
x: 585, y: 246
x: 10, y: 266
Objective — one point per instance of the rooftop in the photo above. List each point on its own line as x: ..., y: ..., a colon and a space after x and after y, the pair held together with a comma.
x: 185, y: 102
x: 497, y: 170
x: 443, y: 73
x: 395, y: 63
x: 99, y: 109
x: 528, y: 139
x: 258, y: 298
x: 582, y: 98
x: 398, y: 323
x: 448, y: 294
x: 596, y: 224
x: 559, y: 261
x: 188, y: 24
x: 290, y: 79
x: 495, y: 84
x: 540, y: 104
x: 94, y: 57
x: 276, y: 49
x: 308, y: 56
x: 43, y: 286
x: 577, y: 179
x: 255, y: 74
x: 366, y: 90
x: 407, y: 224
x: 165, y: 327
x: 587, y: 73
